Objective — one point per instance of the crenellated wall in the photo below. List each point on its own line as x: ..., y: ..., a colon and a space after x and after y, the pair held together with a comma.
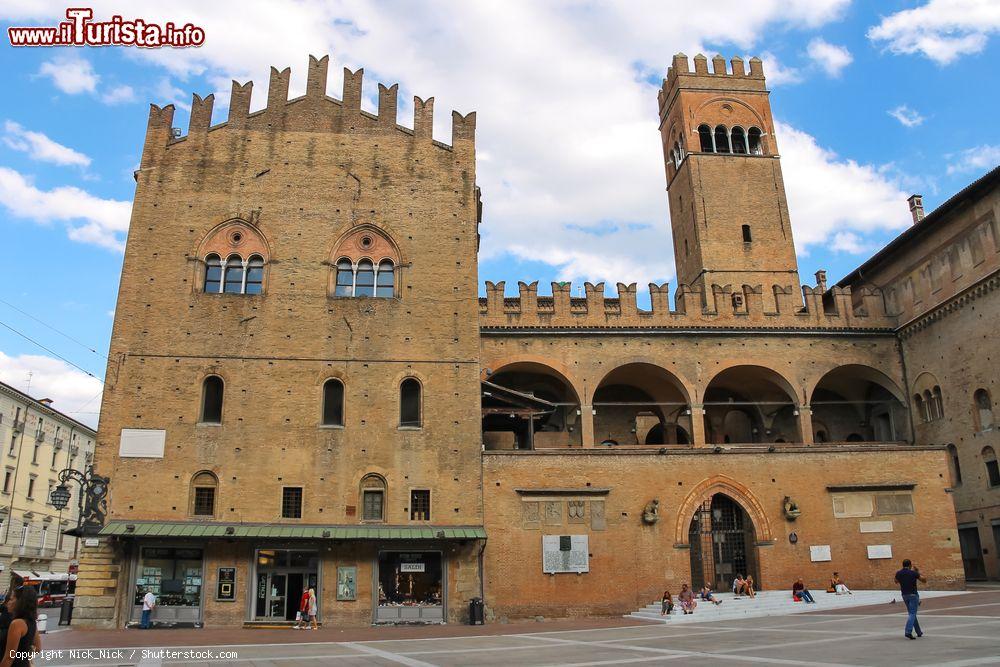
x: 722, y: 306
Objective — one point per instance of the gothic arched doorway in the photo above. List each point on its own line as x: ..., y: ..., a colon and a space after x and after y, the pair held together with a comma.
x: 723, y: 544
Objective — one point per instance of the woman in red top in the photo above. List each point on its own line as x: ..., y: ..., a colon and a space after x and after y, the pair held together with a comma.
x: 302, y: 615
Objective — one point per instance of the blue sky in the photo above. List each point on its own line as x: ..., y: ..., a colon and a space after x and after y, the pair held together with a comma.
x: 874, y: 101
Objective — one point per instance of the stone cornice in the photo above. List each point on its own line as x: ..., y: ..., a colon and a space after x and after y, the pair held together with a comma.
x: 985, y: 286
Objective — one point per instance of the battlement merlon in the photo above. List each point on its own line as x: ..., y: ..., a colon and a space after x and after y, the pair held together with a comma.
x: 324, y: 112
x: 738, y: 77
x: 722, y: 306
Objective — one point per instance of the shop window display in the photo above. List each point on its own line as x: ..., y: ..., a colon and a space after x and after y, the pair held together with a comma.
x: 173, y: 574
x: 409, y: 579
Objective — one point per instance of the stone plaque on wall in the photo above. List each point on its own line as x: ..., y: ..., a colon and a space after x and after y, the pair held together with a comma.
x: 565, y: 553
x: 553, y: 513
x: 597, y: 521
x: 530, y: 516
x: 575, y: 510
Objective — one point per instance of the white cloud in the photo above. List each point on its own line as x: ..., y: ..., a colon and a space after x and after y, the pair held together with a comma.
x: 72, y: 391
x: 907, y: 116
x: 978, y: 159
x: 89, y: 219
x: 40, y: 147
x: 70, y: 74
x: 833, y: 200
x: 776, y: 73
x: 118, y: 95
x: 832, y: 58
x: 941, y: 30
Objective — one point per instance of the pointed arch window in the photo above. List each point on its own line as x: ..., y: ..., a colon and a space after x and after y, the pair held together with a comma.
x: 385, y: 280
x: 992, y: 467
x: 938, y: 402
x: 739, y: 138
x: 721, y: 139
x: 234, y: 273
x: 753, y: 141
x: 409, y: 403
x: 333, y: 403
x: 364, y: 279
x: 213, y: 274
x: 956, y: 466
x: 918, y: 402
x: 705, y: 137
x: 203, y: 489
x: 211, y: 400
x: 984, y: 409
x: 345, y: 278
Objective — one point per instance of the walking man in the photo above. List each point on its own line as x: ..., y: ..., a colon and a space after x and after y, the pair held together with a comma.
x: 148, y: 604
x: 907, y: 579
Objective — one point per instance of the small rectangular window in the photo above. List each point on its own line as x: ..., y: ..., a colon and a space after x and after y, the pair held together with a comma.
x: 7, y: 479
x: 34, y: 453
x: 204, y: 501
x: 291, y: 502
x: 993, y: 471
x: 31, y: 488
x: 420, y: 505
x: 372, y: 509
x: 747, y: 237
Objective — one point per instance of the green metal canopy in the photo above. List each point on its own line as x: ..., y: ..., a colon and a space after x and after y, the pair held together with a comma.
x: 264, y: 531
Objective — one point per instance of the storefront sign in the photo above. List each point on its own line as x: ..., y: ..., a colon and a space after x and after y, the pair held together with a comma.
x: 226, y: 590
x: 411, y: 567
x: 347, y: 582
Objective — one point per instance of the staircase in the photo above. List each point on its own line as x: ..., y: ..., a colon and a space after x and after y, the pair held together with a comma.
x: 771, y: 603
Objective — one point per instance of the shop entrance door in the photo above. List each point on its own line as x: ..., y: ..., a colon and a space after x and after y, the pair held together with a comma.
x: 282, y: 575
x: 972, y: 553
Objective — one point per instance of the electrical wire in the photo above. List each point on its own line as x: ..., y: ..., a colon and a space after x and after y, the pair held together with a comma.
x: 58, y: 356
x: 49, y: 326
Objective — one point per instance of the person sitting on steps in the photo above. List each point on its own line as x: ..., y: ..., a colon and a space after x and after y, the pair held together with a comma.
x: 688, y: 603
x: 800, y: 591
x: 838, y: 585
x: 708, y: 595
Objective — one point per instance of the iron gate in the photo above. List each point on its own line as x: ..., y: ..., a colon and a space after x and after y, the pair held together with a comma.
x: 722, y: 544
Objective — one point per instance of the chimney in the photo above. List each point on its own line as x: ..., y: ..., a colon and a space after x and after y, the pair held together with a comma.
x: 916, y: 207
x: 821, y: 280
x: 45, y: 401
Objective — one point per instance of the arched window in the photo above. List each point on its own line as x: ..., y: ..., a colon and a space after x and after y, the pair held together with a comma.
x: 956, y: 467
x: 213, y: 274
x: 705, y: 136
x: 234, y: 275
x: 345, y: 278
x: 333, y: 403
x: 364, y: 279
x: 203, y: 489
x: 753, y: 140
x: 211, y: 400
x: 721, y: 139
x: 373, y: 491
x: 385, y: 283
x: 409, y: 403
x: 984, y: 409
x: 938, y: 402
x: 255, y: 275
x: 992, y: 468
x: 747, y: 236
x: 918, y: 404
x: 929, y: 406
x: 739, y: 141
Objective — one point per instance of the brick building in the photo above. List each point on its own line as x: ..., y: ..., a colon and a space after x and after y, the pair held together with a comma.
x: 305, y: 390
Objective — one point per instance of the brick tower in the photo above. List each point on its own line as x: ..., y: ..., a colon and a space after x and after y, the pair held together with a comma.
x: 727, y: 197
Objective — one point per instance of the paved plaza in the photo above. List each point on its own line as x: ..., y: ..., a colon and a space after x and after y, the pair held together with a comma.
x: 960, y: 630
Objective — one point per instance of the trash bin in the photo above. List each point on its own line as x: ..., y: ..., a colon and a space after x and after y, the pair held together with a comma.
x: 66, y: 613
x: 477, y: 611
x: 42, y: 623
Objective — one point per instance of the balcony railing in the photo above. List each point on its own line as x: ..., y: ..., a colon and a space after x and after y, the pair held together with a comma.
x: 36, y: 552
x: 40, y: 436
x: 18, y: 426
x: 58, y: 443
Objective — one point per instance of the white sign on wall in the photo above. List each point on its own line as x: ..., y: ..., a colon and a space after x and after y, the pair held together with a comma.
x: 876, y: 526
x: 877, y: 551
x: 411, y: 567
x: 565, y: 553
x: 819, y: 553
x: 144, y: 443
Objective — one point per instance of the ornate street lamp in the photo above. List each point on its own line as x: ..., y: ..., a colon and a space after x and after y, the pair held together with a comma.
x: 93, y: 503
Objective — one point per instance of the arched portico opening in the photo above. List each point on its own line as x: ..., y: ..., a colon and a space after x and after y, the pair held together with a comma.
x: 641, y: 404
x: 723, y: 544
x: 530, y: 406
x: 857, y: 403
x: 747, y: 404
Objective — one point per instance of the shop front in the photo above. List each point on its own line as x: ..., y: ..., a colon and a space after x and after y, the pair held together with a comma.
x: 174, y: 574
x: 411, y: 587
x: 280, y: 577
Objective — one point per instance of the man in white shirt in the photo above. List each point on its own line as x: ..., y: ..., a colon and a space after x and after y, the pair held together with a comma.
x: 148, y: 604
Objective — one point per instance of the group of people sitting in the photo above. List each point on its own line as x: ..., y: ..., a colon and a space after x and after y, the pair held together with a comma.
x: 688, y: 600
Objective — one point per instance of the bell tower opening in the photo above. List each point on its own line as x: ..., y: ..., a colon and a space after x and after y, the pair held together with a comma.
x: 728, y: 210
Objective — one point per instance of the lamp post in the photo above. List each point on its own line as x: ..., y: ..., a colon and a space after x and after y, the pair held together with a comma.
x: 92, y: 503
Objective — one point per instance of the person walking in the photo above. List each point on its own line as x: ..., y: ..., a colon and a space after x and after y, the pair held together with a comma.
x: 22, y: 638
x: 313, y: 604
x: 148, y: 605
x: 907, y: 579
x: 302, y: 615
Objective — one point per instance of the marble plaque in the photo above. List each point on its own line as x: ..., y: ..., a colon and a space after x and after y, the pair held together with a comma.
x: 878, y: 551
x: 565, y: 553
x: 597, y: 520
x: 575, y: 510
x: 530, y: 516
x: 819, y: 553
x: 553, y: 513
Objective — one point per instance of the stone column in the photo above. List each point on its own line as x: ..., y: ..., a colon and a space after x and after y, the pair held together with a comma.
x: 698, y: 425
x: 806, y: 424
x: 95, y: 605
x: 587, y: 425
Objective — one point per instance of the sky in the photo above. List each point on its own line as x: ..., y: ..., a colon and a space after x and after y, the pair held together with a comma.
x: 874, y: 101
